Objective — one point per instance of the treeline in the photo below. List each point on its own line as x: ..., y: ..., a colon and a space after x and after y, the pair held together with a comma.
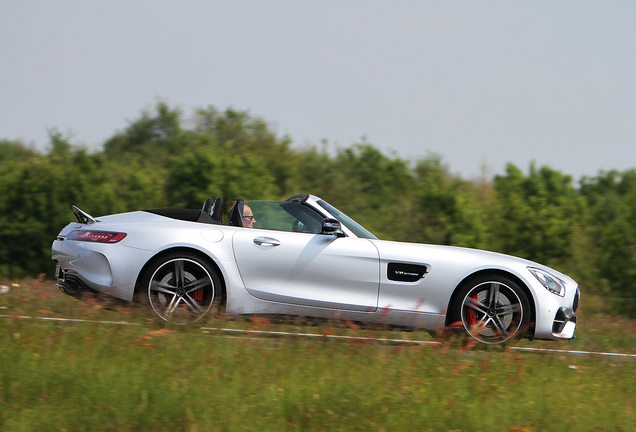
x: 164, y: 159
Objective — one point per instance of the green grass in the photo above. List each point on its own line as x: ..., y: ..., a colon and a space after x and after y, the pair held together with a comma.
x: 96, y: 377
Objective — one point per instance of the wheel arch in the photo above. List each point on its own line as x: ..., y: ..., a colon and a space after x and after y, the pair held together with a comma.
x: 496, y: 272
x: 204, y: 257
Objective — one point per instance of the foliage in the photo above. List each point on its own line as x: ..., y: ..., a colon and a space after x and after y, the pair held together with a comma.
x: 217, y: 171
x: 239, y: 133
x: 100, y: 375
x: 154, y: 137
x: 11, y: 151
x: 612, y: 218
x: 536, y: 213
x: 363, y: 183
x: 446, y: 209
x: 163, y: 159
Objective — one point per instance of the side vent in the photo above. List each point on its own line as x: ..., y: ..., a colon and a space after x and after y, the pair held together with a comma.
x: 406, y: 272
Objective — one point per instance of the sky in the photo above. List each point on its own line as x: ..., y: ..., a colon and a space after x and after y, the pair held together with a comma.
x: 479, y: 83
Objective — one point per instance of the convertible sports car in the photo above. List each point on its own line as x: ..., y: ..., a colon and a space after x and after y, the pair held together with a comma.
x: 304, y: 257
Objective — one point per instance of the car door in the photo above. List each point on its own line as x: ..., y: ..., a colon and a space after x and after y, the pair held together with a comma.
x: 308, y: 269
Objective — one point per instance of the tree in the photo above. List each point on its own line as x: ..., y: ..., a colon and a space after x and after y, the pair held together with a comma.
x: 218, y: 172
x: 612, y: 220
x: 536, y: 215
x: 32, y: 197
x: 240, y: 133
x: 16, y: 151
x: 362, y: 182
x: 153, y: 138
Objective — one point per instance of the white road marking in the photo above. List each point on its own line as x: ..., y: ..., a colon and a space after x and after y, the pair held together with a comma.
x: 572, y: 352
x: 315, y: 335
x: 362, y: 338
x: 67, y: 320
x: 407, y: 341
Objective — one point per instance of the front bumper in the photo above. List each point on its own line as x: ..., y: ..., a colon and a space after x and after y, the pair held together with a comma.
x: 564, y: 323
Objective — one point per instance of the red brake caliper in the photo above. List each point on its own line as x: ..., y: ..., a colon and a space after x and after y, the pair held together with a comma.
x: 198, y: 295
x: 471, y: 314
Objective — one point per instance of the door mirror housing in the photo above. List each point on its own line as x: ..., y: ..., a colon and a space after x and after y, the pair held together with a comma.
x: 332, y: 226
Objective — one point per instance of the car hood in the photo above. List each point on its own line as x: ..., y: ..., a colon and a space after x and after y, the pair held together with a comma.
x: 464, y: 260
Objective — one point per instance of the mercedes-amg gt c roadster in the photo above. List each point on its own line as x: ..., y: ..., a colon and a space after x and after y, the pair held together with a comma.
x: 303, y: 257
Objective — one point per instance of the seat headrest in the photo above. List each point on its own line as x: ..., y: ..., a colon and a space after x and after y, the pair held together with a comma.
x: 217, y: 210
x: 236, y: 213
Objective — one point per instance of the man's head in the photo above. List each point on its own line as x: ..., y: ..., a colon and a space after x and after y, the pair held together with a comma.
x: 248, y: 217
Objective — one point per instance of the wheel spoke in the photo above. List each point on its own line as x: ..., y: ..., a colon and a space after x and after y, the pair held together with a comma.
x: 174, y: 303
x: 192, y: 304
x: 197, y: 284
x: 475, y: 304
x: 480, y: 325
x: 508, y: 309
x: 499, y: 327
x: 483, y: 322
x: 163, y: 288
x: 493, y: 294
x: 179, y: 273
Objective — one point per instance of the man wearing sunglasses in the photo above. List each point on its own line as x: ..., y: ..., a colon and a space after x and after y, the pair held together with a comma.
x: 248, y: 217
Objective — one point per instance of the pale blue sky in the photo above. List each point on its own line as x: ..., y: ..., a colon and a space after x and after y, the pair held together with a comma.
x: 485, y: 82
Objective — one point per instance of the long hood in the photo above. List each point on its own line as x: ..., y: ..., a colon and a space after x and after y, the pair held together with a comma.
x: 460, y: 260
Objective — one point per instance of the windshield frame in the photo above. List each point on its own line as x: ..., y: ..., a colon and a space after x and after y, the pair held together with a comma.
x: 352, y: 225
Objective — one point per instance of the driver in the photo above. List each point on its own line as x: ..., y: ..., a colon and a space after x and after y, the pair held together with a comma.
x: 248, y: 217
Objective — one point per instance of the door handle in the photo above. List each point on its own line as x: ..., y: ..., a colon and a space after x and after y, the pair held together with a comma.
x: 266, y: 241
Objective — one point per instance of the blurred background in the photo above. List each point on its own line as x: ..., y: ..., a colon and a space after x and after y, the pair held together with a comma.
x: 495, y: 125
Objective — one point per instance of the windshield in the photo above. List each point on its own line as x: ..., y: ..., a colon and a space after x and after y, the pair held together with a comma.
x: 285, y: 216
x: 354, y: 226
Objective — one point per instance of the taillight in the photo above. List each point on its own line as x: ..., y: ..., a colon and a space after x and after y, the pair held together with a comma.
x: 96, y: 236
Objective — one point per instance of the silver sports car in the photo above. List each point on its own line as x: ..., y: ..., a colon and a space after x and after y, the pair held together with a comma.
x: 304, y: 257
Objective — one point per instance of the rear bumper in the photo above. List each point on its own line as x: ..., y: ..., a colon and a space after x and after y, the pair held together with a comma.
x: 90, y: 266
x: 71, y: 284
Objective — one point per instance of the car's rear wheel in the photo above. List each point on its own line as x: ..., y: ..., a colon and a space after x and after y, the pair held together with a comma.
x: 180, y: 288
x: 492, y: 310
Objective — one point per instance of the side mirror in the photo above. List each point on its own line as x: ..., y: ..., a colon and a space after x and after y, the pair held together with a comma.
x: 332, y: 227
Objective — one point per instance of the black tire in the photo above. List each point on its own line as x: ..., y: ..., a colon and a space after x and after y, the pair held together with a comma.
x: 180, y: 287
x: 491, y: 309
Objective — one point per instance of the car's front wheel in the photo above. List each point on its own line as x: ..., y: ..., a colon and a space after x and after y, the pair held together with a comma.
x: 491, y: 309
x: 180, y: 288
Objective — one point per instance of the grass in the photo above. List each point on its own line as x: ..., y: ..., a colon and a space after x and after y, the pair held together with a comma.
x: 95, y: 377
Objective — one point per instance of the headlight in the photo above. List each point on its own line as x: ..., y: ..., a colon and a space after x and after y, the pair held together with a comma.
x: 551, y: 283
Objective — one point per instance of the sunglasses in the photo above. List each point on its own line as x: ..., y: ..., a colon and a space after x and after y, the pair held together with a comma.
x: 248, y: 217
